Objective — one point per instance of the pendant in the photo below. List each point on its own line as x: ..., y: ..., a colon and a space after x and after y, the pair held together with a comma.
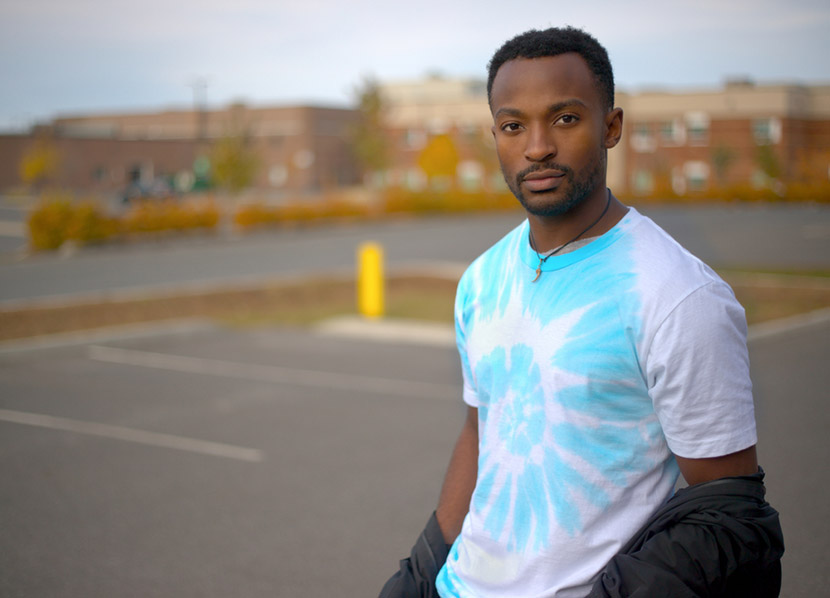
x: 538, y: 272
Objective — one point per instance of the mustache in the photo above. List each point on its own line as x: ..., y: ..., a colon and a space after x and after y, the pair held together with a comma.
x: 566, y: 170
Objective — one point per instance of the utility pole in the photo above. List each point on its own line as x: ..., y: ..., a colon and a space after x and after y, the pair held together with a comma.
x: 199, y: 86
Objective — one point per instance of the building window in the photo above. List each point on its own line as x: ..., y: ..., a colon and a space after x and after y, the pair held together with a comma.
x: 470, y: 175
x: 643, y: 182
x: 415, y: 179
x: 642, y: 141
x: 278, y: 175
x: 697, y: 175
x: 672, y: 132
x: 766, y: 131
x: 697, y: 128
x: 415, y: 139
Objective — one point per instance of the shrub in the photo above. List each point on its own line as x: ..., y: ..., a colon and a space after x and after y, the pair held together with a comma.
x: 89, y: 223
x: 818, y: 192
x: 452, y: 201
x: 251, y: 215
x: 58, y: 219
x: 49, y: 222
x: 151, y: 216
x: 257, y: 214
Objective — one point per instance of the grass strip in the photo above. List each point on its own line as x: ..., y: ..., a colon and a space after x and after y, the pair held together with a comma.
x: 765, y: 297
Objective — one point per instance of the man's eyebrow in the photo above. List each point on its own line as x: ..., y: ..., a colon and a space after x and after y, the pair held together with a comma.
x: 567, y: 104
x: 570, y: 103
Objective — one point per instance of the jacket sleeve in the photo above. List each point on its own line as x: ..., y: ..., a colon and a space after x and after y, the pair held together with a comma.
x: 416, y: 576
x: 714, y: 539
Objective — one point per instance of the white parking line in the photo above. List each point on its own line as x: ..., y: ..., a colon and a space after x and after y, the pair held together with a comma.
x: 389, y: 330
x: 784, y: 325
x: 276, y: 374
x: 180, y: 443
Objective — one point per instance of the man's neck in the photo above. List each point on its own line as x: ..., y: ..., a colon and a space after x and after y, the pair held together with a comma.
x: 587, y: 219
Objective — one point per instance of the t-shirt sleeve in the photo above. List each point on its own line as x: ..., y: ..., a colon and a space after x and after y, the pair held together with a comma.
x: 698, y: 375
x: 462, y: 312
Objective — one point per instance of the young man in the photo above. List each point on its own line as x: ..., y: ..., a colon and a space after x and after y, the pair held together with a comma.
x: 600, y: 360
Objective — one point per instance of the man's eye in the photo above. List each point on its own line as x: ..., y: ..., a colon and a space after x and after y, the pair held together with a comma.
x: 510, y: 127
x: 567, y: 119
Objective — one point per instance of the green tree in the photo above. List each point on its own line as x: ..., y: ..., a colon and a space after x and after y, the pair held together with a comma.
x: 234, y: 163
x: 722, y: 159
x: 368, y: 135
x: 768, y: 162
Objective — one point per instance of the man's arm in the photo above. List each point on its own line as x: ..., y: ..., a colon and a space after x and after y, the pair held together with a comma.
x: 696, y: 471
x: 416, y: 576
x: 460, y: 479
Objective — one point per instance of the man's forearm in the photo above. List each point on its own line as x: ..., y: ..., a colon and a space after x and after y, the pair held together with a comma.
x: 460, y: 480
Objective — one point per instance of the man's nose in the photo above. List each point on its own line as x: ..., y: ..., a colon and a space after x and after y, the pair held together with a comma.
x: 540, y: 144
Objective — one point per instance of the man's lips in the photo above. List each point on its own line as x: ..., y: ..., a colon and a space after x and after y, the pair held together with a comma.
x: 542, y: 181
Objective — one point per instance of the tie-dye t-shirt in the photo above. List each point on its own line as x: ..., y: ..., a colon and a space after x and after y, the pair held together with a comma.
x: 625, y: 351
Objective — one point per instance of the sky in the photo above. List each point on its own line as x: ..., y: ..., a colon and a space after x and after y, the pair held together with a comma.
x: 71, y: 57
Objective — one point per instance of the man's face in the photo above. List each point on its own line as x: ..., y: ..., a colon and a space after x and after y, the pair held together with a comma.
x: 550, y: 131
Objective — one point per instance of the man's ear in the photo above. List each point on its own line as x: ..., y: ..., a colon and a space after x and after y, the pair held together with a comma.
x: 613, y: 127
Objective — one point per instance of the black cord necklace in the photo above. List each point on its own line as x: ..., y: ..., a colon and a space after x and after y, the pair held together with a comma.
x: 542, y: 260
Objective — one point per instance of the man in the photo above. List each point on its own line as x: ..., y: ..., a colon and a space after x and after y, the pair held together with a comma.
x: 600, y: 360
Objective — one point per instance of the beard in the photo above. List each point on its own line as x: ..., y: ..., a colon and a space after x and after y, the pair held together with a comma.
x: 576, y: 187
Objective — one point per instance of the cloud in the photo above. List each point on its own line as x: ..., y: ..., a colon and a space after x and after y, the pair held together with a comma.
x: 85, y: 54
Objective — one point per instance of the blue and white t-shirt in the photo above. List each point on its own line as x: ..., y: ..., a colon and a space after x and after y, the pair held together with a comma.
x: 625, y: 351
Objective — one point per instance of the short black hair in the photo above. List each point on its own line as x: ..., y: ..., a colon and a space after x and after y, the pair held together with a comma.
x: 553, y: 42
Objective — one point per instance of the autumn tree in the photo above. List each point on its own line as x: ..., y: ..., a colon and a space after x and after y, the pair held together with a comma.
x: 368, y: 135
x: 39, y: 164
x: 439, y: 159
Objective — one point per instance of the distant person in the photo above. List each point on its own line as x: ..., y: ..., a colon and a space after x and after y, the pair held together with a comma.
x: 600, y: 360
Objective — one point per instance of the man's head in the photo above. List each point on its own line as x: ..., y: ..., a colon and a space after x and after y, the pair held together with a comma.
x: 551, y: 95
x: 553, y: 42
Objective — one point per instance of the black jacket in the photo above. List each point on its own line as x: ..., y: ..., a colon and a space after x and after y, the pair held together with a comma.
x: 718, y: 539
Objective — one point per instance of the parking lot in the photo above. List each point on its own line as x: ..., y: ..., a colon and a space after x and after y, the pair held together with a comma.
x: 211, y: 462
x: 189, y: 459
x: 203, y: 461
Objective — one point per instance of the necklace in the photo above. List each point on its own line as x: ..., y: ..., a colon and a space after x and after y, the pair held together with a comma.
x: 542, y: 260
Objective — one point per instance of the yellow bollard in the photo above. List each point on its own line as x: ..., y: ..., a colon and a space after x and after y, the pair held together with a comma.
x: 370, y: 280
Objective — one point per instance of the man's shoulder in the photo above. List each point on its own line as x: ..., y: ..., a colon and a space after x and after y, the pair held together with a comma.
x: 668, y: 273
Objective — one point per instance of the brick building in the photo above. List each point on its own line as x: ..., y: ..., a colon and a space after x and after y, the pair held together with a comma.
x: 299, y: 150
x: 744, y: 133
x: 674, y: 142
x: 438, y: 131
x: 421, y: 114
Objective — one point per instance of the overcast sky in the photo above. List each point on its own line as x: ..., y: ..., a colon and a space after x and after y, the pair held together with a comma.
x: 60, y: 57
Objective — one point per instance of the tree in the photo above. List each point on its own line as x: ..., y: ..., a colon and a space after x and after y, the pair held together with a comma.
x: 768, y: 162
x: 722, y: 159
x: 368, y: 135
x: 234, y: 163
x: 39, y: 164
x: 439, y: 159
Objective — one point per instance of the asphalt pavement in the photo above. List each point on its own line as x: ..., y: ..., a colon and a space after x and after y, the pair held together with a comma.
x: 207, y: 461
x: 745, y: 236
x: 196, y: 460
